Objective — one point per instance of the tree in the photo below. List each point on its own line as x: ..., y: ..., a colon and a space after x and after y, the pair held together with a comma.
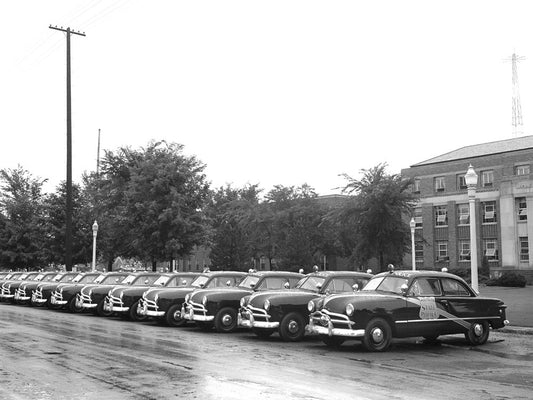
x: 150, y: 202
x: 55, y: 210
x: 232, y: 244
x: 22, y: 222
x: 374, y: 218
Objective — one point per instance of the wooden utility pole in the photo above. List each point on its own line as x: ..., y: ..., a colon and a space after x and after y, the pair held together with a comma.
x: 68, y: 219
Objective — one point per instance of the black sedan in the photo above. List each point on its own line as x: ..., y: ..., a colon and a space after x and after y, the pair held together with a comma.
x: 286, y: 311
x: 64, y: 295
x: 219, y: 306
x: 406, y: 304
x: 166, y: 303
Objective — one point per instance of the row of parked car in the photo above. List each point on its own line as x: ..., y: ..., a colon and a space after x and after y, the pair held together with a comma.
x: 336, y: 305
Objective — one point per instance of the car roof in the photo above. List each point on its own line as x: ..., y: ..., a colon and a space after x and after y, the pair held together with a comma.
x: 325, y: 274
x: 274, y: 273
x: 410, y: 273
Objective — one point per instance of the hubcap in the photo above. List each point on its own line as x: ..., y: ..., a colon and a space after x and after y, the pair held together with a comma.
x: 293, y: 326
x: 177, y: 315
x: 227, y: 319
x: 377, y: 335
x: 478, y: 330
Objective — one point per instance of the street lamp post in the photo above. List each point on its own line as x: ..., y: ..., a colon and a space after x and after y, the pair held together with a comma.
x: 471, y: 183
x: 412, y: 224
x: 95, y: 232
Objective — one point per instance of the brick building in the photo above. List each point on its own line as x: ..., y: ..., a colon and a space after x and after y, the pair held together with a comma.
x: 504, y: 207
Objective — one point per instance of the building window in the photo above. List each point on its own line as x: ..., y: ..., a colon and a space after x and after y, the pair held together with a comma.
x: 419, y: 252
x: 418, y: 217
x: 442, y: 251
x: 521, y: 208
x: 464, y: 250
x: 416, y: 186
x: 487, y: 178
x: 441, y: 216
x: 524, y: 249
x: 489, y: 212
x: 463, y: 213
x: 461, y: 182
x: 490, y: 247
x: 440, y: 184
x: 522, y: 170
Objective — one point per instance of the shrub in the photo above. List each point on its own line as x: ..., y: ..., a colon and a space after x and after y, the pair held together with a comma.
x: 508, y: 279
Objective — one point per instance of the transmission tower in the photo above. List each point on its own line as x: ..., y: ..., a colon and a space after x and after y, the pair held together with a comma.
x: 517, y: 107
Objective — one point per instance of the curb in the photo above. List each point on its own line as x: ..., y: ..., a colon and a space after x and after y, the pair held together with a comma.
x: 517, y: 330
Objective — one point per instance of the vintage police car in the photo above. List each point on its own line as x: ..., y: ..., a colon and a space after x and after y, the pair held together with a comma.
x: 91, y: 296
x: 64, y: 295
x: 219, y: 306
x: 124, y: 300
x: 166, y: 303
x: 26, y: 288
x: 42, y: 293
x: 10, y: 286
x: 286, y: 311
x: 406, y: 304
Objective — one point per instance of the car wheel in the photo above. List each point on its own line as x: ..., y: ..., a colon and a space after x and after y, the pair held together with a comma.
x: 226, y: 320
x: 100, y: 310
x: 263, y: 332
x: 292, y: 327
x: 332, y: 341
x: 173, y: 316
x: 478, y: 333
x: 378, y: 335
x: 72, y: 306
x: 134, y: 315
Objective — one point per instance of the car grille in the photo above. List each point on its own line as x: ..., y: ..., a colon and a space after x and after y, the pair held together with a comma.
x: 197, y: 308
x: 335, y: 320
x: 150, y: 305
x: 116, y: 301
x: 258, y: 314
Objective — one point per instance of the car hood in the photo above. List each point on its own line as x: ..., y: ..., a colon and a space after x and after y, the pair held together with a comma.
x: 282, y: 297
x: 129, y: 290
x: 220, y: 292
x: 169, y: 293
x: 338, y: 302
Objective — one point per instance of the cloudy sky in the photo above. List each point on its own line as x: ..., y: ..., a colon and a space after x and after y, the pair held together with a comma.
x: 269, y: 92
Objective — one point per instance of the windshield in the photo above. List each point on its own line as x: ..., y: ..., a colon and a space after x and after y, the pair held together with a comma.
x: 78, y: 278
x: 310, y: 283
x: 249, y: 282
x: 180, y: 281
x: 89, y: 278
x: 386, y: 284
x: 67, y: 278
x: 146, y: 280
x: 199, y: 281
x: 111, y: 279
x: 161, y: 281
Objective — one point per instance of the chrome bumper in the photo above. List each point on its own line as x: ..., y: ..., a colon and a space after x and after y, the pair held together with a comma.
x: 187, y: 312
x: 251, y: 323
x: 57, y: 302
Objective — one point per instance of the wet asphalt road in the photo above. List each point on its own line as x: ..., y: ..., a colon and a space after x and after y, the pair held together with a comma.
x: 47, y: 354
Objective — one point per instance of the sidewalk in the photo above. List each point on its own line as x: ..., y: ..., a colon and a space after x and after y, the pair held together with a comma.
x: 519, y: 302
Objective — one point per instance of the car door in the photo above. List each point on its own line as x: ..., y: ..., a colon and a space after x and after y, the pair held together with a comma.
x: 426, y: 308
x: 462, y: 305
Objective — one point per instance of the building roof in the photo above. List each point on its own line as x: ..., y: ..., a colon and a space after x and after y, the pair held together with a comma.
x: 483, y: 149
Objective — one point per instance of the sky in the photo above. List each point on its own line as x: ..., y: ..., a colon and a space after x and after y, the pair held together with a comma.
x: 271, y: 92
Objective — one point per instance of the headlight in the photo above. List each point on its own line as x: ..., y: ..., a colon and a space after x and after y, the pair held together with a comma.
x: 204, y: 301
x: 349, y: 309
x: 266, y: 305
x: 311, y: 306
x: 243, y: 302
x: 187, y: 298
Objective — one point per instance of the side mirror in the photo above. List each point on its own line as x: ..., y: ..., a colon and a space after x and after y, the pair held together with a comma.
x: 319, y: 286
x: 252, y: 286
x: 202, y: 285
x: 355, y: 287
x: 146, y: 281
x: 403, y: 288
x: 228, y: 283
x: 287, y: 285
